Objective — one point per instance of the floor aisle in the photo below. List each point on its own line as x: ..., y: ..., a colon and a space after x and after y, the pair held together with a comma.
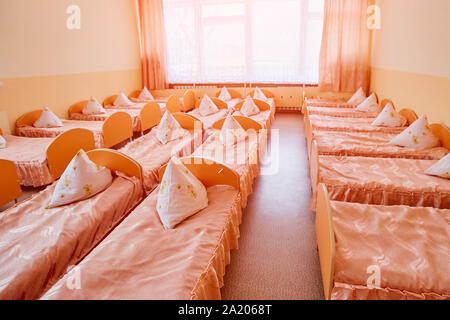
x: 277, y: 258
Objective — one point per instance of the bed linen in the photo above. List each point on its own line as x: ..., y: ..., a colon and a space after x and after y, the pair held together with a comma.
x: 341, y: 112
x: 329, y: 103
x: 264, y: 118
x: 382, y: 181
x: 134, y: 113
x: 141, y: 260
x: 410, y: 246
x: 37, y: 245
x: 137, y: 106
x: 152, y: 154
x: 95, y: 126
x: 242, y: 157
x: 370, y: 144
x: 30, y: 158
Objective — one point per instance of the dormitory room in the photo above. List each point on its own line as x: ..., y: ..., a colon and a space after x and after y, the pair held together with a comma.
x: 225, y: 150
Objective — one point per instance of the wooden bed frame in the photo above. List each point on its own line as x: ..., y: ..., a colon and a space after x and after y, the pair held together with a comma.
x: 219, y: 103
x: 78, y: 107
x: 209, y: 172
x: 188, y: 101
x: 325, y: 239
x: 409, y: 115
x: 188, y: 121
x: 442, y: 132
x: 110, y: 100
x: 245, y: 122
x: 150, y: 116
x: 61, y: 151
x: 233, y: 93
x: 9, y: 182
x: 262, y: 105
x: 117, y: 127
x: 116, y: 161
x: 173, y: 104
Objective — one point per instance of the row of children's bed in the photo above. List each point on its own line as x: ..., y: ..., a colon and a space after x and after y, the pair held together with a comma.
x: 153, y: 217
x: 381, y: 192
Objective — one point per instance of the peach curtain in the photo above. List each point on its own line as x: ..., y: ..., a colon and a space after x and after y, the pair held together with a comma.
x: 344, y: 53
x: 153, y: 43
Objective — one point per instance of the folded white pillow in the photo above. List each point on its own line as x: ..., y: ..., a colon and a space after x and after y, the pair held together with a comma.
x: 47, y: 120
x: 145, y: 95
x: 370, y: 104
x: 418, y: 136
x: 388, y: 117
x: 122, y: 100
x: 93, y: 107
x: 358, y: 97
x: 440, y: 168
x: 249, y: 107
x: 169, y: 129
x: 82, y: 179
x: 2, y: 142
x: 259, y: 94
x: 231, y: 131
x: 207, y: 106
x: 180, y: 194
x: 224, y: 94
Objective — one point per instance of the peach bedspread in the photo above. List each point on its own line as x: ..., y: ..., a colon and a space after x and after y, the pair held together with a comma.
x: 383, y: 181
x: 370, y: 144
x: 329, y: 103
x: 135, y: 117
x: 264, y: 118
x: 95, y: 126
x: 341, y: 112
x: 141, y: 260
x: 137, y: 106
x: 30, y: 158
x: 37, y: 245
x: 152, y: 154
x: 332, y: 125
x: 410, y: 246
x: 241, y: 157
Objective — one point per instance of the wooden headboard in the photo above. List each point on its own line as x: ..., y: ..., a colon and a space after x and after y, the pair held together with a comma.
x: 150, y: 115
x: 209, y: 172
x: 245, y: 122
x: 9, y: 183
x: 262, y: 105
x: 61, y: 151
x: 173, y: 104
x: 29, y: 118
x: 117, y: 127
x: 233, y: 93
x: 267, y: 93
x: 409, y: 115
x: 116, y: 161
x: 442, y: 132
x: 188, y: 121
x: 78, y: 107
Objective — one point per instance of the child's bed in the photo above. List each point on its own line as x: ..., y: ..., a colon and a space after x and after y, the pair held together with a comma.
x: 328, y: 123
x: 382, y: 252
x: 114, y: 130
x: 38, y: 245
x: 384, y: 181
x: 243, y: 156
x: 375, y: 144
x: 75, y: 113
x: 209, y: 120
x: 140, y: 259
x: 152, y: 154
x: 39, y: 161
x: 264, y: 117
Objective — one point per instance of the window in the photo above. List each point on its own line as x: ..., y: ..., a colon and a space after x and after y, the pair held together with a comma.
x: 257, y: 41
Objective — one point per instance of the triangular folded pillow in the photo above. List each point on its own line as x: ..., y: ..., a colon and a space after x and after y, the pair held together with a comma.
x: 249, y: 107
x: 47, y: 120
x: 145, y: 95
x: 388, y: 117
x: 180, y: 194
x: 418, y: 136
x: 259, y: 94
x: 82, y: 179
x: 122, y: 100
x: 357, y: 97
x: 224, y: 94
x: 169, y: 129
x: 231, y: 131
x: 370, y: 104
x: 207, y: 106
x: 93, y: 107
x: 440, y: 168
x: 2, y: 142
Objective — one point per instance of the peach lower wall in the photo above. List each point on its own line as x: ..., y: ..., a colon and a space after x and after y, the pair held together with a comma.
x: 425, y: 94
x: 59, y: 92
